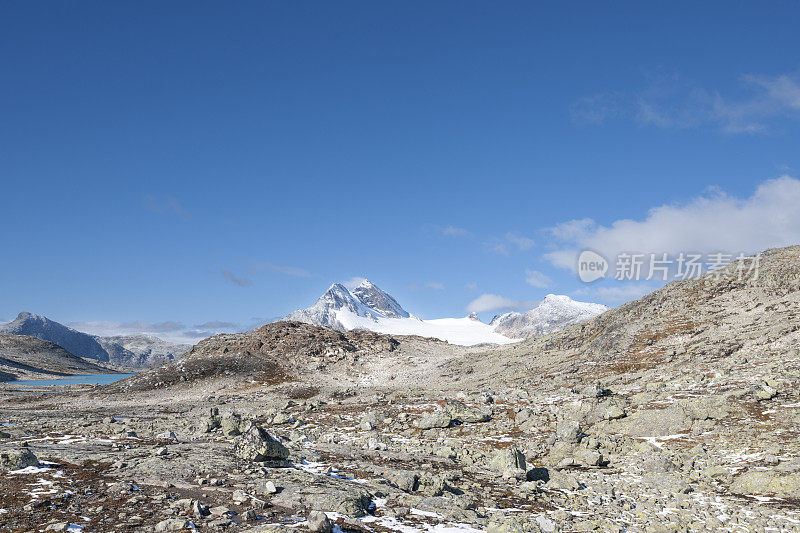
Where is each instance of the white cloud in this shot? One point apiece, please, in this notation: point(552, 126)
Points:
point(354, 282)
point(714, 222)
point(103, 327)
point(454, 231)
point(616, 294)
point(495, 302)
point(216, 325)
point(170, 330)
point(667, 101)
point(534, 278)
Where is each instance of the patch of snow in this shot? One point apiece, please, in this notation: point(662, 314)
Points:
point(30, 470)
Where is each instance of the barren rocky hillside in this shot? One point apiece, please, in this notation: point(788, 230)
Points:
point(24, 357)
point(677, 412)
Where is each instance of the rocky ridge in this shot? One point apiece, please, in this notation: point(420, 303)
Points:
point(24, 357)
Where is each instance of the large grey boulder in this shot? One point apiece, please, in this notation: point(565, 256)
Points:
point(767, 482)
point(318, 522)
point(345, 498)
point(257, 445)
point(436, 419)
point(172, 524)
point(14, 459)
point(508, 459)
point(461, 412)
point(569, 432)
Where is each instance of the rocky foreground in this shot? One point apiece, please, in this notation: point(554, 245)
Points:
point(678, 412)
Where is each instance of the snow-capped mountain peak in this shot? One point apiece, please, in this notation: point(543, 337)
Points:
point(555, 312)
point(374, 298)
point(338, 306)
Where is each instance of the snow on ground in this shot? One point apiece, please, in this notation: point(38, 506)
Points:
point(462, 331)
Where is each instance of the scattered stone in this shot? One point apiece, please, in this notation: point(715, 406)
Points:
point(318, 522)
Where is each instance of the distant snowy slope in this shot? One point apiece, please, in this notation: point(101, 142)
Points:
point(554, 313)
point(367, 307)
point(464, 331)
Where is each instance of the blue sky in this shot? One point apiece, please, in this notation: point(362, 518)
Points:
point(173, 167)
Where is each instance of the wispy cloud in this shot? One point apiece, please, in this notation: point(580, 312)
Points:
point(616, 294)
point(453, 231)
point(713, 222)
point(534, 278)
point(432, 285)
point(196, 334)
point(760, 104)
point(216, 325)
point(124, 328)
point(354, 282)
point(171, 330)
point(509, 242)
point(240, 281)
point(164, 205)
point(495, 302)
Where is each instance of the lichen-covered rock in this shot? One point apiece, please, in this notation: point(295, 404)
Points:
point(234, 424)
point(14, 459)
point(568, 431)
point(318, 522)
point(436, 419)
point(767, 482)
point(513, 524)
point(508, 459)
point(461, 412)
point(257, 445)
point(172, 524)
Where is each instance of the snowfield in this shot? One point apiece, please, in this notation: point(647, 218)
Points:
point(367, 307)
point(464, 331)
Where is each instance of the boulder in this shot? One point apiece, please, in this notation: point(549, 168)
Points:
point(436, 419)
point(508, 459)
point(460, 412)
point(513, 524)
point(568, 431)
point(14, 459)
point(767, 482)
point(172, 524)
point(318, 522)
point(257, 445)
point(404, 480)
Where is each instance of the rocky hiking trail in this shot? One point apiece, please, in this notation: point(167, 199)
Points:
point(675, 413)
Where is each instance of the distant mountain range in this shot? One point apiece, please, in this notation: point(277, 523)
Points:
point(132, 351)
point(367, 307)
